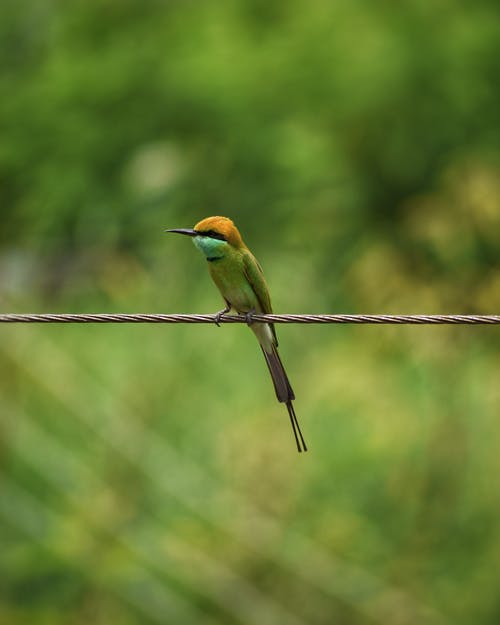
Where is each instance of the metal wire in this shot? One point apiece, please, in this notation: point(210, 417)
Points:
point(189, 318)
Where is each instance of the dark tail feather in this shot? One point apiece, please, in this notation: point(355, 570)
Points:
point(282, 386)
point(284, 392)
point(296, 427)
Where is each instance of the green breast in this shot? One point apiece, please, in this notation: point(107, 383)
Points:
point(229, 276)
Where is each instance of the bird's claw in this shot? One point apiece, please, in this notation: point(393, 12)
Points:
point(249, 317)
point(218, 316)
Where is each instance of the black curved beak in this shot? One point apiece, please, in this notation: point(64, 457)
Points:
point(186, 231)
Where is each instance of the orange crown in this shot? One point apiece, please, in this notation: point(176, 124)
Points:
point(221, 225)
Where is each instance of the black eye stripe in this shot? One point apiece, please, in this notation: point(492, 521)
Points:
point(212, 235)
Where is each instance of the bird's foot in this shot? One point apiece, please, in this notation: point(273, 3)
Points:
point(249, 317)
point(218, 316)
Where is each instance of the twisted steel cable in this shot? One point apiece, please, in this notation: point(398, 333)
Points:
point(192, 318)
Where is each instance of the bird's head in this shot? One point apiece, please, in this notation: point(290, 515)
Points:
point(212, 235)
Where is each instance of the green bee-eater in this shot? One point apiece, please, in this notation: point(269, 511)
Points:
point(240, 279)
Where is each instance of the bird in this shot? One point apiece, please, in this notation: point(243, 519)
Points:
point(241, 282)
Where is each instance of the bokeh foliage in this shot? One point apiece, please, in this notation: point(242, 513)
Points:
point(147, 474)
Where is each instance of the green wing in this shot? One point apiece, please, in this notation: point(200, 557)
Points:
point(255, 277)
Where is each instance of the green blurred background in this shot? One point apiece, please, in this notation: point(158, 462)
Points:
point(147, 474)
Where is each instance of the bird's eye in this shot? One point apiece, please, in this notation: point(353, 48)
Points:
point(214, 235)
